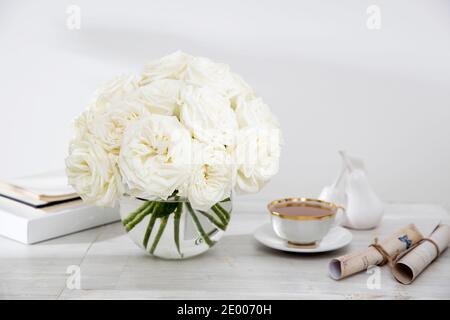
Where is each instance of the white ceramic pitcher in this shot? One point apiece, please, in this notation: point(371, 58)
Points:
point(351, 190)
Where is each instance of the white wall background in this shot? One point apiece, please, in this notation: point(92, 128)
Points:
point(332, 82)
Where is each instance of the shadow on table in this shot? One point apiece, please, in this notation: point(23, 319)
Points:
point(296, 255)
point(101, 233)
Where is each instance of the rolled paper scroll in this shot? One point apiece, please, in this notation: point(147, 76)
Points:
point(410, 264)
point(396, 243)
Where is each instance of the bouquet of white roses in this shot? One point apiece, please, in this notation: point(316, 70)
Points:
point(186, 127)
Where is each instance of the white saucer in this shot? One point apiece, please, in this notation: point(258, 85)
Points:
point(338, 237)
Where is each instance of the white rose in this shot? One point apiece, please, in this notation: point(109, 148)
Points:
point(204, 72)
point(239, 90)
point(254, 112)
point(172, 66)
point(154, 155)
point(211, 176)
point(208, 116)
point(82, 124)
point(161, 96)
point(257, 157)
point(92, 173)
point(109, 126)
point(110, 92)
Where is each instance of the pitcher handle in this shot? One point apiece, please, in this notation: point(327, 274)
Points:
point(340, 215)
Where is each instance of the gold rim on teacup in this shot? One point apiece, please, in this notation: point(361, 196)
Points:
point(303, 202)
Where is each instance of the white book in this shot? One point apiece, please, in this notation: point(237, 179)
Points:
point(16, 205)
point(40, 189)
point(30, 227)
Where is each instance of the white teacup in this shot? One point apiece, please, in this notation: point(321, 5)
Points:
point(302, 221)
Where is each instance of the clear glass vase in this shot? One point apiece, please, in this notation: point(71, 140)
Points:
point(172, 229)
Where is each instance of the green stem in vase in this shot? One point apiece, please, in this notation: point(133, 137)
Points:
point(150, 226)
point(200, 229)
point(176, 224)
point(223, 211)
point(220, 215)
point(140, 217)
point(162, 226)
point(133, 214)
point(167, 208)
point(213, 220)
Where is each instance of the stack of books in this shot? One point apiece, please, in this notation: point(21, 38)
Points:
point(41, 207)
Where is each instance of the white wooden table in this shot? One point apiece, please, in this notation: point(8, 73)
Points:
point(113, 267)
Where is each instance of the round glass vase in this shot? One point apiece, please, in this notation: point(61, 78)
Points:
point(172, 229)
